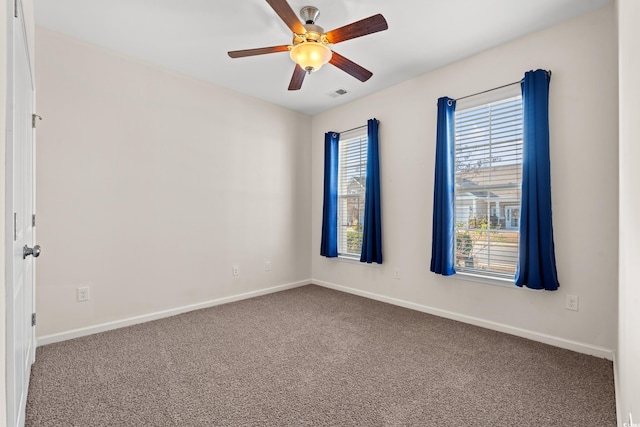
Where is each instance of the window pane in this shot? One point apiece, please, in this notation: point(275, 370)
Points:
point(352, 166)
point(488, 174)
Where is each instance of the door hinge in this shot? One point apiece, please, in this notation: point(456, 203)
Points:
point(33, 220)
point(33, 319)
point(15, 8)
point(33, 120)
point(15, 226)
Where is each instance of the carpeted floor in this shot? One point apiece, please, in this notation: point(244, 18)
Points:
point(314, 356)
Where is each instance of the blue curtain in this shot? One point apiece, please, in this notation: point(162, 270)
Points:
point(329, 242)
point(442, 243)
point(372, 234)
point(537, 259)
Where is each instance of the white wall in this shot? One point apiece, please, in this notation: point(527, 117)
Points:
point(583, 117)
point(629, 287)
point(151, 186)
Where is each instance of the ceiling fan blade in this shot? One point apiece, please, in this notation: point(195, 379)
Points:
point(284, 11)
point(258, 51)
point(369, 25)
point(350, 67)
point(297, 78)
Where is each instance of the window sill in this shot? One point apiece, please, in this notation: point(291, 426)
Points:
point(356, 260)
point(348, 258)
point(505, 283)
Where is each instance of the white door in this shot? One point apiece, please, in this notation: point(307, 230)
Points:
point(21, 265)
point(512, 216)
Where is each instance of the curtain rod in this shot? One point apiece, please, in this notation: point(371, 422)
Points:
point(356, 128)
point(349, 130)
point(490, 90)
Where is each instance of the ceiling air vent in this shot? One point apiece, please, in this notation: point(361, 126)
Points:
point(338, 93)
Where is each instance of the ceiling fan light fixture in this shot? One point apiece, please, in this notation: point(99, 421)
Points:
point(310, 56)
point(309, 48)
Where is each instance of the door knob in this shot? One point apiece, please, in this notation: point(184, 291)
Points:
point(35, 251)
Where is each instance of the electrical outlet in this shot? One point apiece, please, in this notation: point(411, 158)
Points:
point(82, 294)
point(267, 266)
point(396, 273)
point(571, 302)
point(236, 270)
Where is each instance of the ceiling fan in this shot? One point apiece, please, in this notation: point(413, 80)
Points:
point(310, 48)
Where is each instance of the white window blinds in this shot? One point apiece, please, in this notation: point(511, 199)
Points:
point(352, 172)
point(488, 170)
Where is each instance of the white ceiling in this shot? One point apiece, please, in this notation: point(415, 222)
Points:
point(193, 36)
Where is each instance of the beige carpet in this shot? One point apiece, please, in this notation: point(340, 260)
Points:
point(313, 356)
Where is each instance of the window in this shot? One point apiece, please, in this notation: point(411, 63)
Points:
point(352, 172)
point(488, 176)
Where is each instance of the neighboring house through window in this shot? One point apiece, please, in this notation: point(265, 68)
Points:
point(352, 171)
point(488, 177)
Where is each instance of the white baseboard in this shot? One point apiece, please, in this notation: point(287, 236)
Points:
point(103, 327)
point(524, 333)
point(579, 347)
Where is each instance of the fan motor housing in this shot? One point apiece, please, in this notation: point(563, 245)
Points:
point(314, 34)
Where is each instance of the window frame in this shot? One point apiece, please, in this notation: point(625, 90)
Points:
point(347, 171)
point(493, 276)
